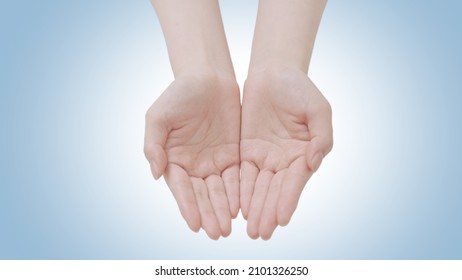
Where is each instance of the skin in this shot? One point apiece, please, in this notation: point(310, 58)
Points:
point(286, 127)
point(193, 128)
point(286, 132)
point(217, 159)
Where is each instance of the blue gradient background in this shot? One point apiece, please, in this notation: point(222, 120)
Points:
point(77, 76)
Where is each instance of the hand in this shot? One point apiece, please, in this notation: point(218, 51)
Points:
point(192, 138)
point(286, 132)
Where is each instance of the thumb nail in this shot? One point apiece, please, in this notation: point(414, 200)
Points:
point(154, 170)
point(316, 161)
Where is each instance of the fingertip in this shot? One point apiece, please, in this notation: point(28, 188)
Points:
point(226, 228)
point(283, 221)
point(267, 232)
point(214, 235)
point(267, 227)
point(155, 170)
point(249, 174)
point(284, 217)
point(157, 160)
point(252, 235)
point(234, 211)
point(244, 212)
point(266, 236)
point(252, 229)
point(230, 178)
point(193, 218)
point(194, 223)
point(315, 162)
point(194, 228)
point(225, 233)
point(234, 208)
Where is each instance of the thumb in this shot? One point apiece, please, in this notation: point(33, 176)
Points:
point(319, 123)
point(316, 152)
point(156, 133)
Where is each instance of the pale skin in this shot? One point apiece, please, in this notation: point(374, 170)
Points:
point(286, 126)
point(193, 128)
point(217, 159)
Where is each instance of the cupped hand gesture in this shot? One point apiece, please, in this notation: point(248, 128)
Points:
point(192, 138)
point(286, 131)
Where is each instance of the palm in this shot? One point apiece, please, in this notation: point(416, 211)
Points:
point(276, 143)
point(204, 137)
point(202, 120)
point(275, 136)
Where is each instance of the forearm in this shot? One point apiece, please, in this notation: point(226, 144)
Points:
point(285, 33)
point(195, 37)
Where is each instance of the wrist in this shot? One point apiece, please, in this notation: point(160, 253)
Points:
point(273, 77)
point(197, 65)
point(206, 73)
point(278, 61)
point(221, 83)
point(195, 37)
point(284, 33)
point(276, 71)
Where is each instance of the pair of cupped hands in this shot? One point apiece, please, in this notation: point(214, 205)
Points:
point(218, 157)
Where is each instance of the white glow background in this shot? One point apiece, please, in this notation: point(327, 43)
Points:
point(76, 78)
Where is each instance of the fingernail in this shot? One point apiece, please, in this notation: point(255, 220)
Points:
point(316, 162)
point(154, 170)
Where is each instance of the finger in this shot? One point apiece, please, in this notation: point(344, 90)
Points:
point(292, 186)
point(249, 173)
point(219, 201)
point(318, 148)
point(319, 120)
point(180, 185)
point(258, 200)
point(209, 221)
point(231, 180)
point(155, 136)
point(268, 220)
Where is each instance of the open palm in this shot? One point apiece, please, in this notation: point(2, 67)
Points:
point(285, 133)
point(192, 138)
